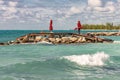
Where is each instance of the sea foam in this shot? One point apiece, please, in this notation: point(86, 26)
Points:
point(116, 42)
point(97, 59)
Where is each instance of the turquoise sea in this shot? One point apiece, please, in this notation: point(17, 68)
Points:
point(92, 61)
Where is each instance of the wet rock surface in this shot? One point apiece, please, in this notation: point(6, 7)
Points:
point(74, 38)
point(104, 33)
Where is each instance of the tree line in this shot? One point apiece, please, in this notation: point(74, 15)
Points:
point(108, 26)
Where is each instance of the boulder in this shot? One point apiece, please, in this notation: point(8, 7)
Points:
point(38, 38)
point(100, 40)
point(117, 34)
point(104, 33)
point(2, 44)
point(88, 41)
point(87, 38)
point(81, 39)
point(45, 39)
point(109, 34)
point(51, 40)
point(10, 42)
point(107, 40)
point(23, 39)
point(58, 40)
point(65, 39)
point(73, 39)
point(6, 43)
point(16, 42)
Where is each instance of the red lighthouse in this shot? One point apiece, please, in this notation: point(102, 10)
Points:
point(51, 26)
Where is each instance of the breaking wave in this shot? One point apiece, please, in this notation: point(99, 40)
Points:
point(97, 59)
point(116, 42)
point(42, 42)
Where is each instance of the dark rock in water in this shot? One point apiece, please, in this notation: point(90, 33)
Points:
point(107, 40)
point(16, 42)
point(1, 43)
point(6, 43)
point(104, 33)
point(100, 40)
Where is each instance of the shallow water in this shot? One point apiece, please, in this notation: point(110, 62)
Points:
point(93, 61)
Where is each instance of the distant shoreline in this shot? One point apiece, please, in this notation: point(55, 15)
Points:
point(57, 30)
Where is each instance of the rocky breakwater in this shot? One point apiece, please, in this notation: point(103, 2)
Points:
point(67, 40)
point(75, 38)
point(104, 33)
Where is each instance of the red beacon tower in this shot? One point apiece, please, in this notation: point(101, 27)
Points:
point(51, 26)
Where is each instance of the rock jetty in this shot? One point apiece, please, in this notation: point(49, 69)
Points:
point(57, 38)
point(104, 33)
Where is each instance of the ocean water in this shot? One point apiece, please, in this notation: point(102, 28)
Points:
point(93, 61)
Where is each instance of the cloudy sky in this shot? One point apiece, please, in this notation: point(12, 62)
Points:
point(35, 14)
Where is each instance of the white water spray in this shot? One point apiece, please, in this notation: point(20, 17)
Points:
point(116, 42)
point(97, 59)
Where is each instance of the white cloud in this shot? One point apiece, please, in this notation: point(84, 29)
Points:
point(1, 2)
point(12, 10)
point(22, 21)
point(36, 12)
point(107, 11)
point(9, 10)
point(37, 15)
point(94, 3)
point(97, 5)
point(110, 6)
point(13, 4)
point(73, 10)
point(101, 9)
point(8, 16)
point(118, 0)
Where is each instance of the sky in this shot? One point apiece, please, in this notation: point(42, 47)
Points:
point(36, 14)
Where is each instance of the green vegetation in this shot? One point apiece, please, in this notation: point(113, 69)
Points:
point(108, 26)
